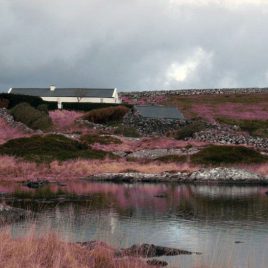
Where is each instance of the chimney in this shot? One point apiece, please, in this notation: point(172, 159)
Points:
point(52, 88)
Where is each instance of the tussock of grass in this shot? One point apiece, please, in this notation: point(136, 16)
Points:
point(216, 154)
point(48, 148)
point(254, 127)
point(106, 115)
point(91, 139)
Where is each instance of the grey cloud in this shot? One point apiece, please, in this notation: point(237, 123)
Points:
point(131, 44)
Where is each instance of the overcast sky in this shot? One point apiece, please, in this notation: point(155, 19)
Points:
point(134, 44)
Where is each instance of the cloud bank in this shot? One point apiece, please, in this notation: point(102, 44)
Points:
point(152, 44)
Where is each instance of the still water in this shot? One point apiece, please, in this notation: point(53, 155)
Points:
point(227, 224)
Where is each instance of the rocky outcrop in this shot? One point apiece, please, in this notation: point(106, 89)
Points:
point(156, 153)
point(12, 123)
point(151, 250)
point(226, 174)
point(218, 175)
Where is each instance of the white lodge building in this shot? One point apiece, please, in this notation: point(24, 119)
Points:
point(78, 95)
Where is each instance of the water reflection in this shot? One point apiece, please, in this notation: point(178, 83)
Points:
point(207, 219)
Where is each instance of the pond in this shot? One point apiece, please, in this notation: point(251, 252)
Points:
point(227, 224)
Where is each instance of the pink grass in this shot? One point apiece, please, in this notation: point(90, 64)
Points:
point(7, 132)
point(64, 120)
point(48, 251)
point(147, 143)
point(231, 110)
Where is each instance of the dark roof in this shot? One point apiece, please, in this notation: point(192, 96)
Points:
point(162, 112)
point(66, 92)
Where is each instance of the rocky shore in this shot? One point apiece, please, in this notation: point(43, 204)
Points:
point(218, 175)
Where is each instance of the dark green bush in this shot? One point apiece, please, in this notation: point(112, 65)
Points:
point(106, 115)
point(31, 117)
point(127, 131)
point(43, 108)
point(216, 154)
point(91, 139)
point(189, 130)
point(4, 103)
point(48, 148)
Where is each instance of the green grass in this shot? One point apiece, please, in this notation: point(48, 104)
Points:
point(91, 139)
point(49, 148)
point(254, 127)
point(216, 154)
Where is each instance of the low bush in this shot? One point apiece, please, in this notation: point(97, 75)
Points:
point(254, 127)
point(217, 154)
point(106, 115)
point(91, 139)
point(43, 108)
point(49, 148)
point(31, 117)
point(189, 130)
point(127, 131)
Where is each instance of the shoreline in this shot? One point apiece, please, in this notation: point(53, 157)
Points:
point(214, 176)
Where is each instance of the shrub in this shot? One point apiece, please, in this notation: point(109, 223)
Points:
point(48, 148)
point(189, 130)
point(106, 115)
point(91, 139)
point(31, 117)
point(43, 108)
point(216, 154)
point(127, 131)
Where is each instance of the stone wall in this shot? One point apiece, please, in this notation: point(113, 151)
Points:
point(185, 92)
point(152, 126)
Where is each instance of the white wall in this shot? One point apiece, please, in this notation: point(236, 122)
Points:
point(83, 100)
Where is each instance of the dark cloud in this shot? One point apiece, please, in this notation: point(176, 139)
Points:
point(136, 44)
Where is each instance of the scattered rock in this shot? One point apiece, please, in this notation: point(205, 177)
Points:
point(36, 184)
point(157, 262)
point(226, 174)
point(151, 250)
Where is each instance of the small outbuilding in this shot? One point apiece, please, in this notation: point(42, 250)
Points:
point(159, 112)
point(72, 95)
